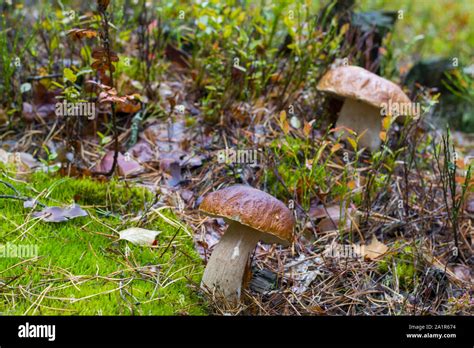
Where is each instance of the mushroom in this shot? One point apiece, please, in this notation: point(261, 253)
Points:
point(366, 95)
point(252, 215)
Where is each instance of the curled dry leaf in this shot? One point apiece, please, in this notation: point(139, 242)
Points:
point(129, 104)
point(59, 214)
point(129, 107)
point(139, 236)
point(78, 34)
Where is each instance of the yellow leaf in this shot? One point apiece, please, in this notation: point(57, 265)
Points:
point(69, 75)
point(383, 135)
point(286, 127)
point(386, 122)
point(352, 142)
point(335, 148)
point(227, 31)
point(344, 29)
point(241, 17)
point(307, 128)
point(352, 184)
point(282, 116)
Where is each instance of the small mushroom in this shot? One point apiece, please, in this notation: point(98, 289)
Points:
point(365, 95)
point(252, 215)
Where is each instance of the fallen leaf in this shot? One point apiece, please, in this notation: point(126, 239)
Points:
point(59, 214)
point(177, 55)
point(142, 151)
point(139, 236)
point(374, 250)
point(4, 156)
point(463, 272)
point(192, 161)
point(173, 169)
point(186, 195)
point(125, 164)
point(28, 112)
point(331, 216)
point(22, 160)
point(30, 203)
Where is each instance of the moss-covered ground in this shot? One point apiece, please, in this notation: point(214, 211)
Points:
point(82, 268)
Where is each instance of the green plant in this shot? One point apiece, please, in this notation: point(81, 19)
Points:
point(400, 266)
point(446, 158)
point(13, 46)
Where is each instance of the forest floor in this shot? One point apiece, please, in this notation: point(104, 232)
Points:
point(180, 102)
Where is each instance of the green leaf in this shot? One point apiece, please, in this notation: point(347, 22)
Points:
point(69, 75)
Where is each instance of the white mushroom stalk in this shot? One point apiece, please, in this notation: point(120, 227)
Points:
point(252, 215)
point(363, 119)
point(225, 270)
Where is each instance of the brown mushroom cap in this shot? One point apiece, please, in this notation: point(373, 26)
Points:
point(359, 84)
point(253, 208)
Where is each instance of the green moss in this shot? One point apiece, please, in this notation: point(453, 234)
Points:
point(82, 271)
point(402, 264)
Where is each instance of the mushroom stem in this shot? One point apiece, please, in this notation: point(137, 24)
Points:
point(360, 117)
point(225, 270)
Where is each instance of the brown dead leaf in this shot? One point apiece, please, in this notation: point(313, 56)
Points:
point(307, 129)
point(374, 249)
point(336, 147)
point(331, 216)
point(103, 4)
point(125, 164)
point(142, 151)
point(78, 34)
point(177, 56)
